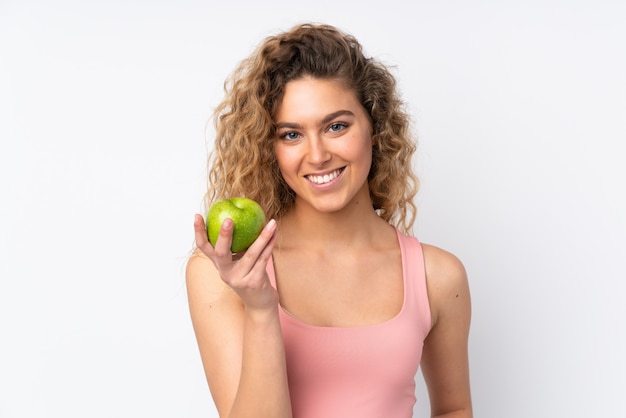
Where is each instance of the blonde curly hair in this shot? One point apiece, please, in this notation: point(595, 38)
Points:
point(243, 162)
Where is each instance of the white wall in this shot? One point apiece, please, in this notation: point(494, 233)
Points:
point(520, 108)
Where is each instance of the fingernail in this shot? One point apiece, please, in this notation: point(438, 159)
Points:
point(271, 225)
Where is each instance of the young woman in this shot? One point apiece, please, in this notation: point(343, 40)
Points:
point(335, 306)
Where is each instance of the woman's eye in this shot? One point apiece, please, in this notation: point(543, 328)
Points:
point(336, 127)
point(290, 136)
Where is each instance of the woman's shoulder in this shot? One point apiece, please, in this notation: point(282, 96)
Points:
point(204, 284)
point(446, 279)
point(199, 268)
point(442, 263)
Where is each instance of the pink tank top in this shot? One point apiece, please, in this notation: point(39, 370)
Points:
point(365, 372)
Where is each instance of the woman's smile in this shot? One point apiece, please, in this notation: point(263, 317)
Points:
point(324, 179)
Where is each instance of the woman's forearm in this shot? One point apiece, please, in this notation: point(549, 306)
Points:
point(263, 389)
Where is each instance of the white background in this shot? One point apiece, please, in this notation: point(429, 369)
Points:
point(520, 108)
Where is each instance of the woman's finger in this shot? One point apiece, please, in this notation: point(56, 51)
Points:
point(202, 240)
point(262, 240)
point(250, 257)
point(224, 240)
point(261, 262)
point(249, 269)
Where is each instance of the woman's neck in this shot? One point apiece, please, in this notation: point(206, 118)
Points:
point(305, 227)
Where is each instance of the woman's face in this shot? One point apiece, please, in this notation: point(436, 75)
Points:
point(323, 144)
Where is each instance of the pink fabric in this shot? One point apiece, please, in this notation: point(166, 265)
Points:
point(365, 372)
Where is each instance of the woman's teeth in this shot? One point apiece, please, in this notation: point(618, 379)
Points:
point(325, 178)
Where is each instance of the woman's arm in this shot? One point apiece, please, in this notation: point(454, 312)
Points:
point(445, 363)
point(234, 311)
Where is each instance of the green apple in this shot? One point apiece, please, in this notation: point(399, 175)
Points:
point(248, 221)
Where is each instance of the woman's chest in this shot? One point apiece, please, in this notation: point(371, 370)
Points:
point(341, 291)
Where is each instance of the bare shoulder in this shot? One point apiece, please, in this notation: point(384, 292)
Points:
point(444, 267)
point(196, 263)
point(203, 278)
point(447, 281)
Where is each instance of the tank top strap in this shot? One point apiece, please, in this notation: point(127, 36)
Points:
point(415, 286)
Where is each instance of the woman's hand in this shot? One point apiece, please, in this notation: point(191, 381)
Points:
point(245, 272)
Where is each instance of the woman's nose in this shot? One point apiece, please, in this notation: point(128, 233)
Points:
point(318, 153)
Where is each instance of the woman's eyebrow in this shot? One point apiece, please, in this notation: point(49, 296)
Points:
point(288, 125)
point(333, 115)
point(326, 119)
